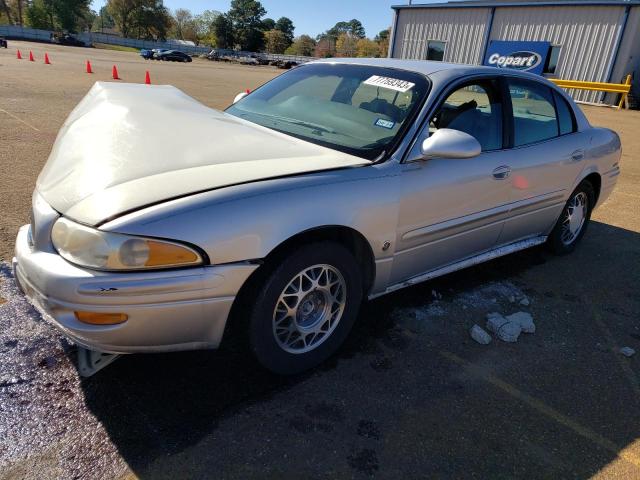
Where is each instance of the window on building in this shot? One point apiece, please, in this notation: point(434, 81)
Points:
point(552, 59)
point(534, 113)
point(566, 120)
point(435, 50)
point(475, 109)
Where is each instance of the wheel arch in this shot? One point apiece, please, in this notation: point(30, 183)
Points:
point(595, 180)
point(349, 237)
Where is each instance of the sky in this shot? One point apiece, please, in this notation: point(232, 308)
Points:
point(310, 17)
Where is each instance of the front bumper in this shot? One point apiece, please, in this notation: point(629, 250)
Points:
point(169, 310)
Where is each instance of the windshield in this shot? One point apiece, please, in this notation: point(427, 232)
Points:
point(360, 110)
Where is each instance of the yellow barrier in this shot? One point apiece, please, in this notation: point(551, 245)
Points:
point(623, 88)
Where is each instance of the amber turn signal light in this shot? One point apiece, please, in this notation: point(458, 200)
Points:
point(95, 318)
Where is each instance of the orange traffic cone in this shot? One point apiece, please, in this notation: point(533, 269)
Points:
point(31, 56)
point(147, 78)
point(114, 73)
point(46, 59)
point(248, 91)
point(18, 55)
point(89, 67)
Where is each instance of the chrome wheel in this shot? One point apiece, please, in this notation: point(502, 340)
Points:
point(574, 218)
point(309, 308)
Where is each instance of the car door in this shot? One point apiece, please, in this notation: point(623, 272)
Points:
point(452, 209)
point(547, 156)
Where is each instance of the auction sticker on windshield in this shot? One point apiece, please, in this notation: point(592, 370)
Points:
point(390, 83)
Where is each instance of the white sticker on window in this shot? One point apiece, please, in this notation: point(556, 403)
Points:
point(381, 122)
point(390, 83)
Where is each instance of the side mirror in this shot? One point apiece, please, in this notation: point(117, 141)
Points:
point(449, 143)
point(240, 96)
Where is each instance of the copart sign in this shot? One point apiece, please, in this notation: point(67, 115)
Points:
point(525, 56)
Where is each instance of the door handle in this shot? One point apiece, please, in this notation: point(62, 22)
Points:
point(577, 155)
point(502, 172)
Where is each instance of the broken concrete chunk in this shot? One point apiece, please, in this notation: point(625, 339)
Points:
point(495, 321)
point(627, 351)
point(509, 332)
point(525, 302)
point(524, 319)
point(480, 335)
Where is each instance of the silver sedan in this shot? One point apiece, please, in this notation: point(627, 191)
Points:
point(158, 222)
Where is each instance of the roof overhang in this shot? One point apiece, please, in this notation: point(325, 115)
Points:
point(542, 3)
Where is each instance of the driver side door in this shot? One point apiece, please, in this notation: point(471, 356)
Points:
point(452, 209)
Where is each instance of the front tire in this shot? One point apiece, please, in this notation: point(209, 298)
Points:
point(305, 308)
point(573, 221)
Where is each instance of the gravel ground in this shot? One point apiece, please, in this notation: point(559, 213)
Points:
point(410, 395)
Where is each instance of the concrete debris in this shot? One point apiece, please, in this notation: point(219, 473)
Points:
point(436, 295)
point(627, 351)
point(512, 299)
point(506, 330)
point(480, 335)
point(525, 302)
point(509, 332)
point(524, 319)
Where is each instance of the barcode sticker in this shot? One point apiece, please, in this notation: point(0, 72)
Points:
point(390, 83)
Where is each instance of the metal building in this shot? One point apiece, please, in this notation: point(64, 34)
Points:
point(589, 40)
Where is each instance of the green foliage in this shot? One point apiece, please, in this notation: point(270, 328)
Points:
point(285, 25)
point(268, 24)
point(352, 27)
point(275, 41)
point(146, 19)
point(223, 31)
point(103, 21)
point(246, 18)
point(303, 45)
point(67, 15)
point(40, 15)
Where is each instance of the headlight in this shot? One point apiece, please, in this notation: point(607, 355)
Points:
point(93, 248)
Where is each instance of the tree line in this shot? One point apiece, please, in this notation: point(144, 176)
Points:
point(244, 26)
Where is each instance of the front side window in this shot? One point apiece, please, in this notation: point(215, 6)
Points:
point(356, 109)
point(435, 50)
point(475, 109)
point(534, 113)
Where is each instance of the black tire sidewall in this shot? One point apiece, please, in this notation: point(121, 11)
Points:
point(261, 338)
point(555, 241)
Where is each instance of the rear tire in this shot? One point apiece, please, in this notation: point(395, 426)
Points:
point(573, 221)
point(305, 308)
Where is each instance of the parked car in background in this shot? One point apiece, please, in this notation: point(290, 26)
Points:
point(3, 42)
point(66, 39)
point(172, 56)
point(340, 180)
point(146, 53)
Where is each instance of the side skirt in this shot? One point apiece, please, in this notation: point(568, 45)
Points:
point(467, 262)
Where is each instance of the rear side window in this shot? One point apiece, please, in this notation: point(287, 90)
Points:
point(566, 121)
point(534, 113)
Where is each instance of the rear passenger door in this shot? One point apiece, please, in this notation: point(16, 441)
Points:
point(547, 155)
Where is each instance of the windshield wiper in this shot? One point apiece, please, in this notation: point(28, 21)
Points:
point(301, 123)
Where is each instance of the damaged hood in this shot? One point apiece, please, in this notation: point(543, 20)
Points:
point(126, 146)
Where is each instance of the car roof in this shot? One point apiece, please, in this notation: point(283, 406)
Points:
point(427, 67)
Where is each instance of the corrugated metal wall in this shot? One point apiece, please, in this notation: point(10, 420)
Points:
point(463, 29)
point(587, 35)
